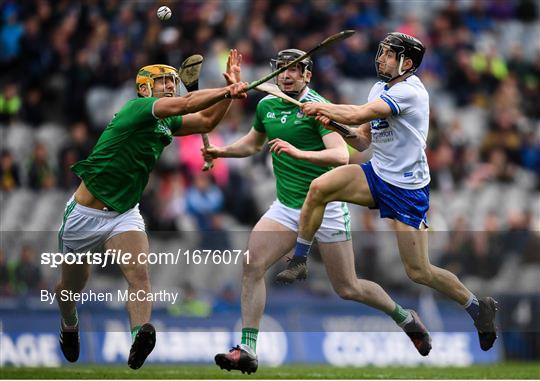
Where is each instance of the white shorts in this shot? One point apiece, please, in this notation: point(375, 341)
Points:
point(87, 229)
point(335, 227)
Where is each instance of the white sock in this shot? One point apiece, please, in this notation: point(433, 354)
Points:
point(468, 302)
point(304, 241)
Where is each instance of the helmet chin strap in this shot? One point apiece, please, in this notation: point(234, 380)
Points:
point(400, 67)
point(150, 89)
point(400, 70)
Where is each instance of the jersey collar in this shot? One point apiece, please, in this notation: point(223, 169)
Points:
point(306, 91)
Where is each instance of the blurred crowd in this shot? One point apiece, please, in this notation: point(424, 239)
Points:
point(68, 66)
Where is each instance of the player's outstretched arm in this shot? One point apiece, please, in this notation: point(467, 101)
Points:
point(248, 145)
point(349, 114)
point(197, 100)
point(335, 153)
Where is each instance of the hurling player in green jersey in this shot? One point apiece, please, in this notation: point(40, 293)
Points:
point(104, 212)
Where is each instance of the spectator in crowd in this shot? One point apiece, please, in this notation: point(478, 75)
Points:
point(10, 35)
point(76, 149)
point(27, 273)
point(10, 103)
point(190, 304)
point(488, 249)
point(40, 173)
point(9, 172)
point(6, 287)
point(503, 135)
point(204, 201)
point(32, 111)
point(477, 19)
point(357, 61)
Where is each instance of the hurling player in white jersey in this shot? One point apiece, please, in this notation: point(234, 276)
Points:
point(395, 123)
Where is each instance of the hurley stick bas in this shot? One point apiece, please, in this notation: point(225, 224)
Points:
point(273, 89)
point(189, 75)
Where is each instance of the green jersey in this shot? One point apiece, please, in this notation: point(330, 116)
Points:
point(117, 170)
point(280, 119)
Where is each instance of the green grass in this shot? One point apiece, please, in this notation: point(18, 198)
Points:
point(498, 371)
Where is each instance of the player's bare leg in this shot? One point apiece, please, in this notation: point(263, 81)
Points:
point(136, 274)
point(338, 260)
point(348, 183)
point(268, 242)
point(413, 249)
point(73, 278)
point(345, 183)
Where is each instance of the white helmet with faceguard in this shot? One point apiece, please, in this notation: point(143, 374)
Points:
point(283, 58)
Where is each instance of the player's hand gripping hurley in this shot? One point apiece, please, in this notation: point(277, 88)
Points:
point(189, 75)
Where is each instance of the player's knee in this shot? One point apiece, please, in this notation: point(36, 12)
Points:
point(254, 266)
point(317, 191)
point(420, 275)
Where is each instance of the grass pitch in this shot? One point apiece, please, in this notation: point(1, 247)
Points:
point(498, 371)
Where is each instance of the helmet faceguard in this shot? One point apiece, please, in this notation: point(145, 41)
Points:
point(148, 75)
point(306, 65)
point(404, 46)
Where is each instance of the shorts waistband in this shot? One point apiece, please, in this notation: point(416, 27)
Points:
point(91, 211)
point(331, 205)
point(95, 212)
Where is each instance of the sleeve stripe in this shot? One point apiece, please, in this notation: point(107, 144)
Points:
point(393, 105)
point(393, 100)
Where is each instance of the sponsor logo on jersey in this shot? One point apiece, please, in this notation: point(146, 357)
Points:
point(270, 115)
point(379, 124)
point(300, 115)
point(385, 136)
point(162, 128)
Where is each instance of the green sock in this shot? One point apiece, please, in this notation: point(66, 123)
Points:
point(134, 331)
point(400, 316)
point(249, 337)
point(72, 320)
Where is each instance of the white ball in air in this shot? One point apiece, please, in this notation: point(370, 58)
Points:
point(164, 13)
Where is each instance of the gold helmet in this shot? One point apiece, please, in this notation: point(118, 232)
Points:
point(147, 74)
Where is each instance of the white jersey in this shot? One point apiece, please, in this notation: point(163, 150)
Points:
point(399, 141)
